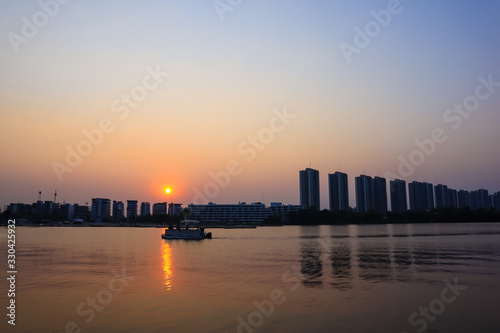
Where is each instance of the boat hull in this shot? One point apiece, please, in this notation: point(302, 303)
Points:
point(196, 234)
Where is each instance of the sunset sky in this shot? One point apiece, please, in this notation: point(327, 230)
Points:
point(231, 72)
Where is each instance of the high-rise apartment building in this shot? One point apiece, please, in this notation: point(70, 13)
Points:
point(398, 196)
point(364, 194)
point(338, 191)
point(452, 198)
point(118, 211)
point(101, 210)
point(131, 210)
point(421, 196)
point(463, 199)
point(441, 195)
point(309, 188)
point(145, 208)
point(380, 195)
point(160, 208)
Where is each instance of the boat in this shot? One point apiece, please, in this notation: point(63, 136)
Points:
point(187, 229)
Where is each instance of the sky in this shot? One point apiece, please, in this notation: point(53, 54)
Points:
point(225, 101)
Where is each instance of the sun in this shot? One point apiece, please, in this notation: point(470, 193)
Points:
point(167, 190)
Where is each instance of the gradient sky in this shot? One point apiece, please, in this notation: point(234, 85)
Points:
point(225, 79)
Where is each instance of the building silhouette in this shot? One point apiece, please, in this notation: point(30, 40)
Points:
point(421, 196)
point(101, 210)
point(398, 196)
point(441, 195)
point(131, 210)
point(174, 209)
point(479, 199)
point(242, 212)
point(338, 191)
point(309, 188)
point(496, 200)
point(452, 198)
point(364, 194)
point(118, 211)
point(81, 212)
point(463, 199)
point(160, 208)
point(380, 195)
point(145, 208)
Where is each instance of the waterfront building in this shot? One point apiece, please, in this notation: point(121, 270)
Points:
point(20, 210)
point(101, 210)
point(338, 191)
point(364, 194)
point(160, 208)
point(479, 199)
point(421, 196)
point(441, 195)
point(145, 208)
point(497, 201)
point(131, 210)
point(380, 195)
point(463, 199)
point(429, 196)
point(43, 209)
point(398, 196)
point(238, 213)
point(484, 199)
point(452, 198)
point(309, 188)
point(280, 210)
point(416, 193)
point(175, 209)
point(81, 212)
point(67, 211)
point(118, 211)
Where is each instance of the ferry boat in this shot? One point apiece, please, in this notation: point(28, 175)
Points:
point(187, 229)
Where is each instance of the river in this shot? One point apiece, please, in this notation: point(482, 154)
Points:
point(355, 278)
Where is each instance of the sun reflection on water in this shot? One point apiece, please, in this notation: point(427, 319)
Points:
point(167, 265)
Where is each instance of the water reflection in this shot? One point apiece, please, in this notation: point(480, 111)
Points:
point(167, 265)
point(402, 258)
point(374, 261)
point(384, 253)
point(340, 255)
point(310, 252)
point(402, 263)
point(425, 258)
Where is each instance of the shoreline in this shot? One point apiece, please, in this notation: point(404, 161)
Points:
point(224, 226)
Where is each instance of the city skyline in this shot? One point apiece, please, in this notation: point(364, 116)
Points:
point(371, 193)
point(180, 95)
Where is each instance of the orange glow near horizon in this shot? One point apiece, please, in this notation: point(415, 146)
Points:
point(163, 191)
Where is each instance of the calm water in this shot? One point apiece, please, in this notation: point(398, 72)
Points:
point(284, 279)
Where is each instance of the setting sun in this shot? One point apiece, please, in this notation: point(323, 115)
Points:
point(167, 190)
